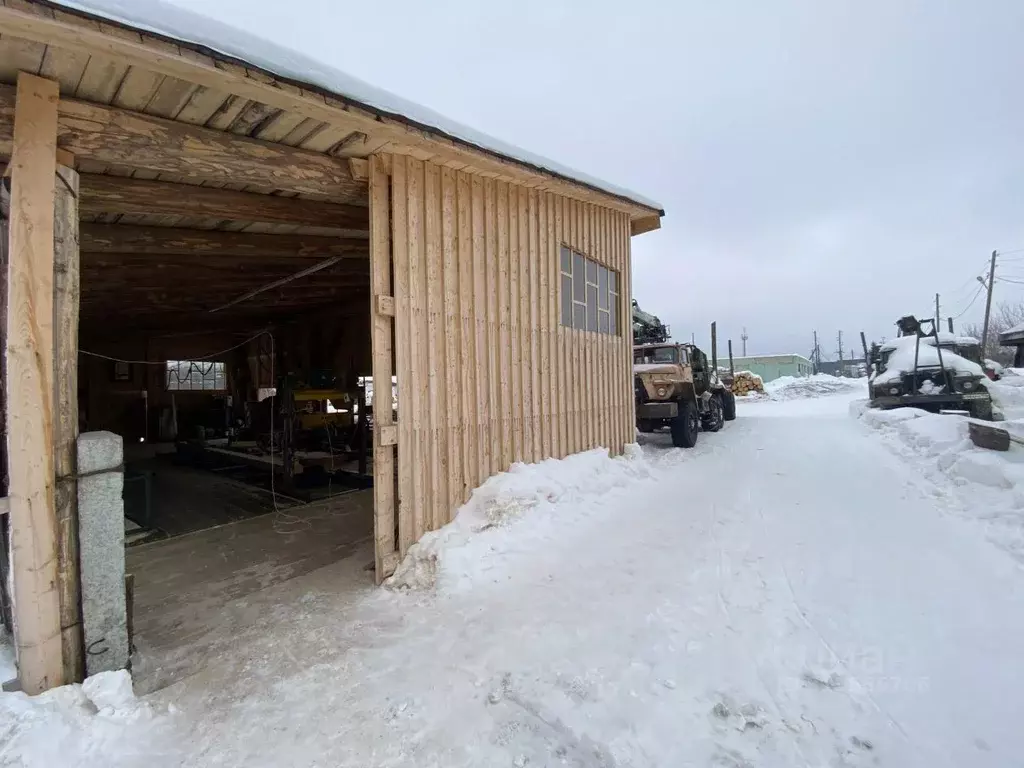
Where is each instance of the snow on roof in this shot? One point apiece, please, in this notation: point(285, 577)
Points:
point(902, 360)
point(944, 338)
point(188, 27)
point(1013, 331)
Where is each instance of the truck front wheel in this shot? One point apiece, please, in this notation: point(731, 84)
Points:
point(685, 426)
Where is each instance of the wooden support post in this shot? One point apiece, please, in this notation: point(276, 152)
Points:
point(29, 348)
point(382, 328)
point(6, 598)
point(65, 421)
point(732, 367)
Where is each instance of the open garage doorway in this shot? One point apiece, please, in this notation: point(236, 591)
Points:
point(231, 352)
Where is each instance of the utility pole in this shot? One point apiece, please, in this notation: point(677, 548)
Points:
point(840, 353)
point(950, 320)
point(988, 305)
point(743, 338)
point(938, 316)
point(816, 354)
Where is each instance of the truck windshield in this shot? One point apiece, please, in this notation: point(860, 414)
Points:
point(655, 355)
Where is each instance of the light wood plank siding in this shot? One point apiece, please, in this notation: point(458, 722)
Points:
point(486, 373)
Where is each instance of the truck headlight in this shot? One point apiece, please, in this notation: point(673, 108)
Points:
point(662, 392)
point(894, 390)
point(967, 386)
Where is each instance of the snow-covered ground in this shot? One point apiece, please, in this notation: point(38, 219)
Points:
point(807, 587)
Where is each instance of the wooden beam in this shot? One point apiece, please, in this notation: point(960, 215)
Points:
point(65, 422)
point(167, 241)
point(382, 332)
point(278, 283)
point(114, 194)
point(131, 139)
point(30, 386)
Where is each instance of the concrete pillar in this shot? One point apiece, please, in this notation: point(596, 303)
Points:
point(101, 542)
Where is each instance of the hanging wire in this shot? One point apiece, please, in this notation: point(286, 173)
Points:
point(974, 298)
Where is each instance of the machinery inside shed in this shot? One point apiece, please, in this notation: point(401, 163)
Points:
point(231, 352)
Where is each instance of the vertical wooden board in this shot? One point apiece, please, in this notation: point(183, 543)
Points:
point(554, 286)
point(466, 358)
point(435, 372)
point(494, 336)
point(627, 292)
point(611, 349)
point(557, 228)
point(590, 388)
point(579, 427)
point(483, 449)
point(66, 289)
point(407, 447)
point(563, 336)
point(524, 299)
point(613, 368)
point(29, 386)
point(454, 355)
point(515, 362)
point(419, 337)
point(540, 203)
point(504, 319)
point(381, 346)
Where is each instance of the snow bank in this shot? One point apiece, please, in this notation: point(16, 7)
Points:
point(989, 484)
point(818, 385)
point(1008, 396)
point(99, 721)
point(575, 485)
point(906, 349)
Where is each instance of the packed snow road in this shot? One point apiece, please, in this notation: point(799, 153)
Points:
point(789, 593)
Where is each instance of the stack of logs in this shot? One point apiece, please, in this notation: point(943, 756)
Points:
point(745, 382)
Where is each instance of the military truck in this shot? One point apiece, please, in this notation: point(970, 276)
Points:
point(677, 387)
point(929, 369)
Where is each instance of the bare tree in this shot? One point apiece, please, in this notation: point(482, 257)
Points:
point(1004, 316)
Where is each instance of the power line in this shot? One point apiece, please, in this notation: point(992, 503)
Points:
point(971, 304)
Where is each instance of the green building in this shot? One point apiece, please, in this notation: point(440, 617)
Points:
point(770, 367)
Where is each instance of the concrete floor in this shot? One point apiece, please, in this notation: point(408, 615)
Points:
point(195, 593)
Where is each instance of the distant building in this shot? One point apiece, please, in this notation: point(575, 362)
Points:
point(1014, 338)
point(770, 367)
point(852, 368)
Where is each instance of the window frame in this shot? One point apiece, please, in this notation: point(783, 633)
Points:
point(580, 315)
point(217, 371)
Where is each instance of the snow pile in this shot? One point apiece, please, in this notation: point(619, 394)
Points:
point(988, 484)
point(818, 385)
point(906, 349)
point(1008, 396)
point(575, 486)
point(80, 724)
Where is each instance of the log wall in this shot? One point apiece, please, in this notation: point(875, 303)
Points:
point(487, 376)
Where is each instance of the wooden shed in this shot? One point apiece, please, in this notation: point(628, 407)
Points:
point(174, 185)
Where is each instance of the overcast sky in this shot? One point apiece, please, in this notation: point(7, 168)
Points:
point(823, 165)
